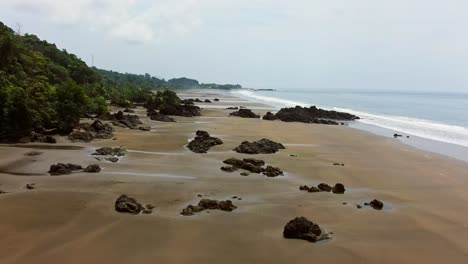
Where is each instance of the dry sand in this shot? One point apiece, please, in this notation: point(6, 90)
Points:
point(71, 219)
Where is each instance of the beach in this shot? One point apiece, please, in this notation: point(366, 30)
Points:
point(71, 218)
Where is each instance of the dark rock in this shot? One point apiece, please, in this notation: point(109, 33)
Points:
point(264, 146)
point(302, 228)
point(180, 110)
point(80, 135)
point(129, 121)
point(234, 162)
point(108, 151)
point(226, 206)
point(338, 164)
point(203, 142)
point(205, 204)
point(397, 135)
point(312, 115)
point(252, 168)
point(199, 195)
point(229, 168)
point(191, 210)
point(244, 173)
point(338, 188)
point(147, 211)
point(38, 137)
point(314, 189)
point(216, 100)
point(232, 108)
point(269, 116)
point(156, 116)
point(324, 187)
point(127, 110)
point(358, 206)
point(207, 101)
point(304, 188)
point(145, 128)
point(125, 204)
point(62, 169)
point(270, 171)
point(244, 113)
point(293, 156)
point(33, 153)
point(256, 162)
point(101, 130)
point(30, 186)
point(94, 168)
point(112, 159)
point(376, 204)
point(237, 163)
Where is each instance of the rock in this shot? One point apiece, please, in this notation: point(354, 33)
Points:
point(199, 195)
point(344, 203)
point(314, 189)
point(38, 137)
point(303, 188)
point(112, 159)
point(358, 206)
point(30, 186)
point(324, 187)
point(102, 130)
point(216, 100)
point(127, 110)
point(237, 163)
point(256, 162)
point(125, 204)
point(302, 228)
point(338, 188)
point(338, 164)
point(263, 146)
point(229, 168)
point(232, 108)
point(205, 204)
point(94, 168)
point(376, 204)
point(244, 173)
point(312, 115)
point(207, 101)
point(108, 151)
point(145, 128)
point(147, 211)
point(234, 162)
point(81, 135)
point(180, 110)
point(226, 206)
point(33, 153)
point(244, 113)
point(252, 168)
point(293, 156)
point(269, 116)
point(129, 121)
point(270, 171)
point(62, 169)
point(156, 116)
point(203, 142)
point(397, 135)
point(191, 210)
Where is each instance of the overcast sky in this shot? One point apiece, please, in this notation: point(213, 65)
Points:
point(299, 44)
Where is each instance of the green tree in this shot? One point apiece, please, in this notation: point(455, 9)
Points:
point(71, 103)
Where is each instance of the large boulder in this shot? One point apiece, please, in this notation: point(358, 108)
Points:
point(63, 169)
point(270, 171)
point(245, 113)
point(186, 110)
point(269, 116)
point(312, 115)
point(263, 146)
point(376, 204)
point(302, 228)
point(129, 121)
point(102, 130)
point(94, 168)
point(338, 188)
point(126, 204)
point(203, 142)
point(80, 135)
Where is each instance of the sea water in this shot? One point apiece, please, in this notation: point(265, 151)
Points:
point(437, 122)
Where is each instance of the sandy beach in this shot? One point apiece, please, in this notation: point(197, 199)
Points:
point(71, 218)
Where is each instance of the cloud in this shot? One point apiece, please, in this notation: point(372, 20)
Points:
point(136, 21)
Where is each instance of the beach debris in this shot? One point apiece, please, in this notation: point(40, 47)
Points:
point(229, 168)
point(93, 168)
point(338, 188)
point(30, 186)
point(312, 115)
point(203, 142)
point(62, 169)
point(269, 116)
point(156, 116)
point(126, 204)
point(302, 228)
point(244, 113)
point(270, 171)
point(324, 187)
point(263, 146)
point(376, 204)
point(205, 204)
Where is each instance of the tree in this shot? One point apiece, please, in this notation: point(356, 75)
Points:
point(70, 105)
point(18, 118)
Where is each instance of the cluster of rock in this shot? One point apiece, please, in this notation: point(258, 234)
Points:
point(323, 187)
point(109, 154)
point(302, 228)
point(206, 204)
point(186, 110)
point(309, 115)
point(244, 113)
point(86, 132)
point(207, 101)
point(251, 165)
point(263, 146)
point(40, 135)
point(126, 204)
point(126, 121)
point(203, 142)
point(376, 204)
point(232, 108)
point(191, 101)
point(156, 116)
point(68, 168)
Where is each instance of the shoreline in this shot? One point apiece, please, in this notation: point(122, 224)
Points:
point(71, 218)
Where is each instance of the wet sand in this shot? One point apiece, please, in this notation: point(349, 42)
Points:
point(71, 218)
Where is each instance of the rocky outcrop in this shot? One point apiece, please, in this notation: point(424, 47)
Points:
point(108, 151)
point(232, 108)
point(63, 169)
point(128, 121)
point(312, 115)
point(156, 116)
point(203, 142)
point(205, 204)
point(270, 171)
point(94, 168)
point(207, 101)
point(338, 188)
point(302, 228)
point(229, 168)
point(251, 165)
point(40, 138)
point(324, 187)
point(186, 110)
point(216, 100)
point(263, 146)
point(269, 116)
point(256, 162)
point(80, 135)
point(244, 113)
point(101, 130)
point(126, 204)
point(376, 204)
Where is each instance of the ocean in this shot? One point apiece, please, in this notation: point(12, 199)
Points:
point(436, 122)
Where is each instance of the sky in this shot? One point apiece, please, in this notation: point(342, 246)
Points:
point(417, 45)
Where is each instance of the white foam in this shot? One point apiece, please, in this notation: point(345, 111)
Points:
point(275, 102)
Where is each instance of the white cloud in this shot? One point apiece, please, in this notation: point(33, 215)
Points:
point(139, 21)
